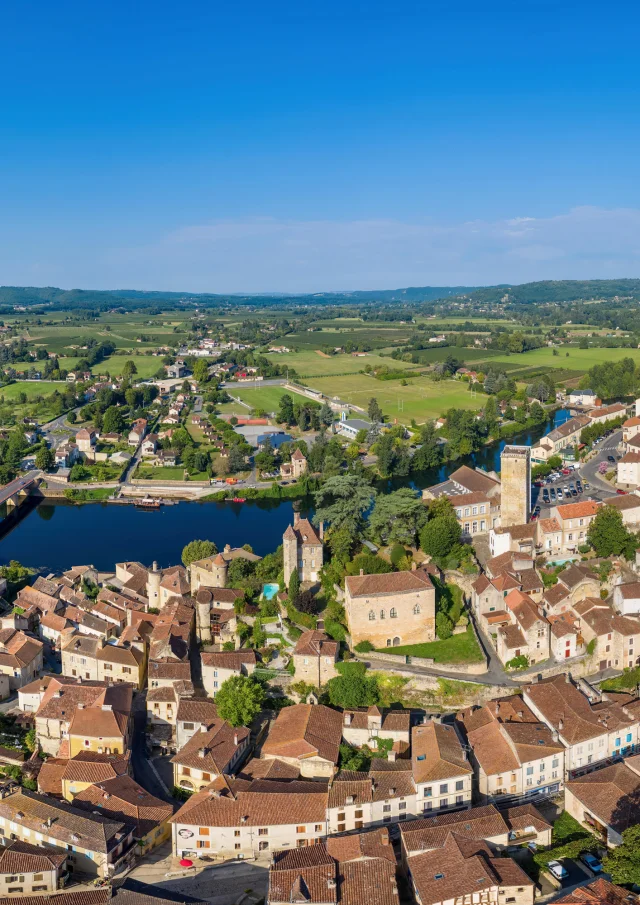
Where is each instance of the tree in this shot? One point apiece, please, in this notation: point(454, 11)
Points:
point(352, 688)
point(294, 585)
point(342, 502)
point(398, 517)
point(440, 535)
point(72, 417)
point(393, 456)
point(429, 453)
point(326, 415)
point(608, 535)
point(306, 602)
point(201, 370)
point(285, 413)
point(239, 700)
point(129, 369)
point(197, 549)
point(370, 563)
point(623, 862)
point(444, 626)
point(113, 420)
point(45, 459)
point(31, 740)
point(236, 459)
point(374, 411)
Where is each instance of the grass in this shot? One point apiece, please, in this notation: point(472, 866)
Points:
point(577, 360)
point(147, 365)
point(31, 389)
point(628, 681)
point(160, 473)
point(462, 648)
point(421, 399)
point(309, 364)
point(266, 398)
point(83, 496)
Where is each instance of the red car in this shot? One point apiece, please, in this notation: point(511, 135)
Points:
point(566, 471)
point(621, 492)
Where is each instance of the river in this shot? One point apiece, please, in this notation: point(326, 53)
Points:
point(55, 536)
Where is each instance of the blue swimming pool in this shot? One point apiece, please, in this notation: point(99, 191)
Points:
point(270, 590)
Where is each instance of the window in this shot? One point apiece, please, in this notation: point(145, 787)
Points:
point(459, 785)
point(38, 876)
point(301, 829)
point(372, 616)
point(392, 613)
point(382, 614)
point(186, 771)
point(555, 762)
point(236, 833)
point(358, 813)
point(263, 846)
point(203, 843)
point(529, 771)
point(237, 846)
point(459, 799)
point(203, 831)
point(427, 792)
point(416, 610)
point(444, 788)
point(428, 805)
point(317, 828)
point(263, 831)
point(386, 808)
point(341, 816)
point(402, 806)
point(444, 802)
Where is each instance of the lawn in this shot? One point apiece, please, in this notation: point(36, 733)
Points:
point(310, 364)
point(147, 365)
point(266, 398)
point(576, 360)
point(160, 473)
point(628, 681)
point(233, 408)
point(422, 399)
point(31, 388)
point(462, 648)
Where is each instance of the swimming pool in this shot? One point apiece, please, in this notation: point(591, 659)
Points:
point(269, 591)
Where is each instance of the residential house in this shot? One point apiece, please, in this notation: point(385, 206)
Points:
point(94, 846)
point(574, 520)
point(366, 725)
point(628, 468)
point(514, 539)
point(513, 753)
point(314, 658)
point(626, 597)
point(307, 736)
point(21, 657)
point(218, 667)
point(149, 445)
point(240, 819)
point(79, 657)
point(592, 730)
point(138, 432)
point(296, 467)
point(214, 750)
point(123, 660)
point(630, 429)
point(476, 512)
point(341, 870)
point(597, 892)
point(606, 801)
point(604, 413)
point(86, 441)
point(392, 609)
point(526, 633)
point(549, 538)
point(302, 550)
point(162, 710)
point(27, 869)
point(193, 715)
point(442, 773)
point(560, 441)
point(628, 505)
point(122, 799)
point(85, 768)
point(615, 639)
point(583, 397)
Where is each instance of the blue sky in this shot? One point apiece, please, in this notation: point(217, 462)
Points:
point(295, 146)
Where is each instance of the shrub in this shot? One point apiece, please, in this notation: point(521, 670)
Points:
point(444, 626)
point(306, 602)
point(396, 553)
point(519, 662)
point(363, 647)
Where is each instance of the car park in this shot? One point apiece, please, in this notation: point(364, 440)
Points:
point(560, 494)
point(558, 870)
point(587, 485)
point(553, 493)
point(591, 862)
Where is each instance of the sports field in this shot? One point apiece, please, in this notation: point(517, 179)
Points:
point(422, 399)
point(311, 364)
point(265, 398)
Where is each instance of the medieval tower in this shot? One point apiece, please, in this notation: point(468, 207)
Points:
point(515, 479)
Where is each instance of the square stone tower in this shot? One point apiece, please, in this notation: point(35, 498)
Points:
point(515, 491)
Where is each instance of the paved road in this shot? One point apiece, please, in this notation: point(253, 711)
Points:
point(142, 772)
point(607, 447)
point(58, 431)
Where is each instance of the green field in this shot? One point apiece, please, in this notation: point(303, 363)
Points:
point(462, 648)
point(31, 388)
point(576, 360)
point(310, 364)
point(266, 398)
point(160, 472)
point(422, 399)
point(147, 365)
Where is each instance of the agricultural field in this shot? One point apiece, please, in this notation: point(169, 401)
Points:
point(571, 358)
point(30, 388)
point(10, 412)
point(147, 365)
point(311, 363)
point(422, 399)
point(377, 338)
point(266, 398)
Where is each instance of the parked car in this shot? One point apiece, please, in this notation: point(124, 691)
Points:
point(587, 485)
point(566, 471)
point(621, 492)
point(611, 458)
point(553, 493)
point(591, 862)
point(560, 495)
point(558, 870)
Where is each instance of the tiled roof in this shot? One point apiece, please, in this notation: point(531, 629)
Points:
point(91, 766)
point(473, 480)
point(316, 644)
point(600, 892)
point(195, 710)
point(84, 897)
point(229, 659)
point(305, 730)
point(392, 720)
point(349, 785)
point(50, 776)
point(268, 769)
point(437, 753)
point(96, 722)
point(389, 583)
point(476, 823)
point(123, 799)
point(167, 670)
point(213, 748)
point(23, 858)
point(611, 794)
point(513, 637)
point(583, 509)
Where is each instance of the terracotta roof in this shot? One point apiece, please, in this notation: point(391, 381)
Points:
point(600, 892)
point(84, 897)
point(391, 720)
point(467, 499)
point(473, 479)
point(549, 525)
point(370, 843)
point(389, 583)
point(525, 815)
point(476, 823)
point(197, 710)
point(437, 753)
point(121, 798)
point(349, 785)
point(91, 766)
point(316, 644)
point(629, 591)
point(583, 509)
point(269, 769)
point(165, 670)
point(231, 659)
point(513, 637)
point(562, 625)
point(50, 776)
point(96, 722)
point(624, 502)
point(211, 749)
point(305, 533)
point(23, 858)
point(18, 649)
point(305, 730)
point(611, 794)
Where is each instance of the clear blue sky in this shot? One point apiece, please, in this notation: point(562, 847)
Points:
point(298, 146)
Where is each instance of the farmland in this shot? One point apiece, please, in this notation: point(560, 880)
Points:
point(146, 365)
point(421, 399)
point(311, 364)
point(572, 358)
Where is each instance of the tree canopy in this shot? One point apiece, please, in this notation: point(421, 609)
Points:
point(353, 688)
point(342, 502)
point(239, 700)
point(197, 549)
point(397, 517)
point(608, 535)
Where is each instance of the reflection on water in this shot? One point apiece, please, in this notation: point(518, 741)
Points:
point(60, 535)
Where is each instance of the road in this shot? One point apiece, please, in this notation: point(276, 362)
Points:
point(57, 432)
point(142, 772)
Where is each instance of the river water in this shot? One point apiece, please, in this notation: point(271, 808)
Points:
point(55, 536)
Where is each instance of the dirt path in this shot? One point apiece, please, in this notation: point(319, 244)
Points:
point(321, 354)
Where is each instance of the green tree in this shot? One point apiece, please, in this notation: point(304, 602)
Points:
point(45, 458)
point(429, 453)
point(236, 459)
point(326, 415)
point(374, 411)
point(72, 417)
point(440, 535)
point(129, 369)
point(623, 862)
point(294, 585)
point(342, 502)
point(398, 517)
point(352, 688)
point(113, 420)
point(31, 740)
point(201, 370)
point(608, 535)
point(197, 549)
point(444, 626)
point(285, 414)
point(239, 700)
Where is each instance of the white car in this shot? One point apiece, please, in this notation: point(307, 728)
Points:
point(558, 871)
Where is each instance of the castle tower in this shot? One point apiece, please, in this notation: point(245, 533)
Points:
point(153, 585)
point(203, 616)
point(209, 573)
point(290, 550)
point(515, 491)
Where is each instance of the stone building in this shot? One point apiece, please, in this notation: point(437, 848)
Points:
point(302, 550)
point(296, 467)
point(314, 658)
point(515, 476)
point(392, 609)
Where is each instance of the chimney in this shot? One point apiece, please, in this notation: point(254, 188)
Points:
point(567, 677)
point(554, 735)
point(361, 571)
point(384, 839)
point(391, 756)
point(348, 717)
point(154, 567)
point(560, 724)
point(81, 705)
point(414, 566)
point(202, 752)
point(107, 707)
point(235, 739)
point(321, 530)
point(296, 518)
point(203, 728)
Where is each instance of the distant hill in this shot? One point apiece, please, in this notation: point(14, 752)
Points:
point(557, 291)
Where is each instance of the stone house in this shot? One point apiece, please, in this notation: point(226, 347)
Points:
point(194, 715)
point(308, 737)
point(218, 667)
point(527, 631)
point(314, 658)
point(149, 445)
point(391, 609)
point(574, 520)
point(605, 802)
point(442, 774)
point(364, 726)
point(162, 710)
point(21, 657)
point(626, 597)
point(302, 550)
point(27, 869)
point(296, 467)
point(86, 440)
point(210, 752)
point(79, 657)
